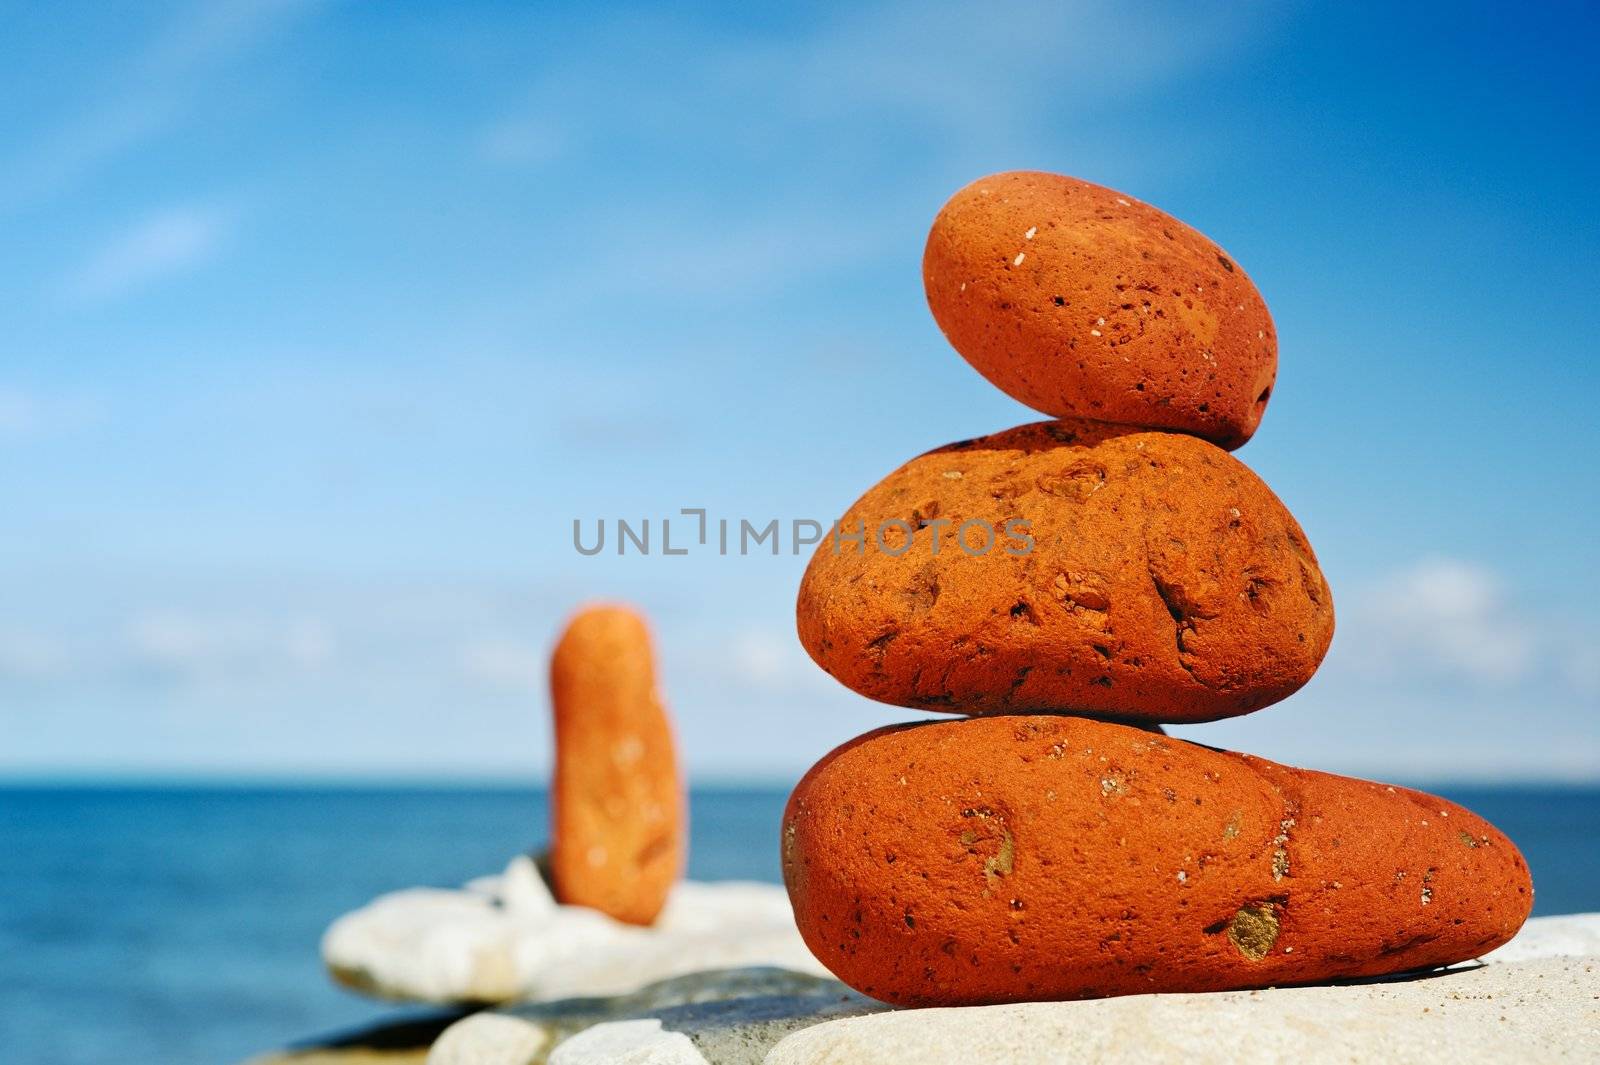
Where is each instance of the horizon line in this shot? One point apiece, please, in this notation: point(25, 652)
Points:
point(181, 779)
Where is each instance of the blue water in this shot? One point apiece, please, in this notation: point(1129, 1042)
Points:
point(180, 925)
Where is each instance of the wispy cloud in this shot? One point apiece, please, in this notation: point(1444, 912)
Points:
point(160, 245)
point(1453, 621)
point(210, 32)
point(524, 140)
point(247, 639)
point(501, 663)
point(979, 79)
point(231, 649)
point(145, 97)
point(809, 119)
point(1442, 669)
point(974, 81)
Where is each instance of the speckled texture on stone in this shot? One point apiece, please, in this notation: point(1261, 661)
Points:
point(1165, 581)
point(1536, 1011)
point(1040, 857)
point(1082, 301)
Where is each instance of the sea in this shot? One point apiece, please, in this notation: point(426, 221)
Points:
point(179, 923)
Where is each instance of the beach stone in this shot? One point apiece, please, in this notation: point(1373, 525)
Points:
point(1081, 301)
point(1040, 857)
point(503, 938)
point(1530, 1011)
point(641, 1042)
point(618, 823)
point(1161, 581)
point(506, 1039)
point(485, 1038)
point(729, 1016)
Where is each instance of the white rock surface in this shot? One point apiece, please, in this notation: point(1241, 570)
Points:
point(1527, 1011)
point(640, 1042)
point(504, 938)
point(491, 1037)
point(1572, 935)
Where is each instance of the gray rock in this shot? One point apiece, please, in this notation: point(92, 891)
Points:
point(727, 1017)
point(402, 1040)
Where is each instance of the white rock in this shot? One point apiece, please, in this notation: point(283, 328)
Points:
point(443, 946)
point(504, 938)
point(1572, 935)
point(523, 892)
point(485, 1038)
point(641, 1042)
point(1546, 1010)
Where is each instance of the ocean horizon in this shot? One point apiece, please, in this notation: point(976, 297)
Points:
point(178, 920)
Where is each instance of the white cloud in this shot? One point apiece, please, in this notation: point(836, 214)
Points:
point(751, 663)
point(214, 31)
point(160, 245)
point(1449, 625)
point(978, 81)
point(504, 664)
point(193, 647)
point(383, 672)
point(764, 659)
point(976, 77)
point(1449, 616)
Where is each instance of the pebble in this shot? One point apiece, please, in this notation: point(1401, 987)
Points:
point(1081, 301)
point(618, 819)
point(1005, 859)
point(1161, 580)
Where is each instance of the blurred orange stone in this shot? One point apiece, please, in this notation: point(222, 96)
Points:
point(617, 800)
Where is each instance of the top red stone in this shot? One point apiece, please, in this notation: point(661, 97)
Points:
point(1083, 302)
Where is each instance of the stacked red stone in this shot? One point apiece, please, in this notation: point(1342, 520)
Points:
point(1071, 585)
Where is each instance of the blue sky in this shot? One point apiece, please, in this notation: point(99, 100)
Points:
point(324, 321)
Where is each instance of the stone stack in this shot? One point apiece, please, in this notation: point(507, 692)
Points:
point(1071, 585)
